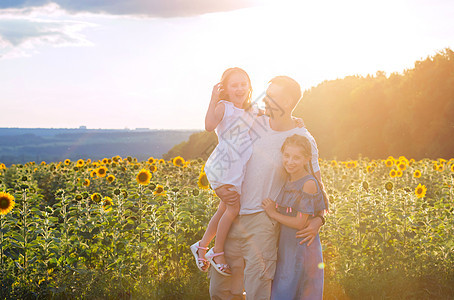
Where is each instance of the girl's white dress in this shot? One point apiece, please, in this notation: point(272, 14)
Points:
point(226, 164)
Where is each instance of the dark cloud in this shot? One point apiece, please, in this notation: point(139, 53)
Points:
point(152, 8)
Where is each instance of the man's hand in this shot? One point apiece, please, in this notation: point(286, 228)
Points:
point(269, 206)
point(298, 122)
point(310, 231)
point(227, 196)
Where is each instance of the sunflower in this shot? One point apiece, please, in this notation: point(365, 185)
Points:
point(6, 203)
point(43, 163)
point(435, 166)
point(402, 166)
point(153, 168)
point(452, 168)
point(110, 178)
point(88, 161)
point(93, 173)
point(80, 163)
point(417, 174)
point(67, 161)
point(159, 191)
point(161, 161)
point(389, 186)
point(95, 164)
point(333, 163)
point(105, 161)
point(2, 166)
point(86, 182)
point(420, 191)
point(144, 177)
point(178, 161)
point(403, 159)
point(107, 205)
point(96, 197)
point(441, 168)
point(411, 162)
point(203, 181)
point(101, 171)
point(399, 173)
point(389, 162)
point(392, 173)
point(151, 160)
point(370, 169)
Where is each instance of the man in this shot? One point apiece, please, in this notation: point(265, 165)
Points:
point(251, 246)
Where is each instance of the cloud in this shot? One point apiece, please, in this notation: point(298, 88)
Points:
point(150, 8)
point(24, 30)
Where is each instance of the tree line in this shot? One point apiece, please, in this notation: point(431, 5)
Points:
point(409, 113)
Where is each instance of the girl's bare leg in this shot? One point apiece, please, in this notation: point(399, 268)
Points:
point(211, 229)
point(225, 222)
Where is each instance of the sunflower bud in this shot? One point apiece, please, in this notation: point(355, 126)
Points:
point(389, 186)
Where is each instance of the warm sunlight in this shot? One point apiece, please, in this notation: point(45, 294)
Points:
point(134, 163)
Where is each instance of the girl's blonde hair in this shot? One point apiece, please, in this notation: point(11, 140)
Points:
point(225, 79)
point(300, 141)
point(306, 149)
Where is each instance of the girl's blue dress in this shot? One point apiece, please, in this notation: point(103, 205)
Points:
point(299, 270)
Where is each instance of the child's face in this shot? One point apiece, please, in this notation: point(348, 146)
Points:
point(294, 160)
point(237, 88)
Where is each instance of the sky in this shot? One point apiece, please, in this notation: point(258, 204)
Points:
point(153, 64)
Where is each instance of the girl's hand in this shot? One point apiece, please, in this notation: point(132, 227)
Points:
point(216, 92)
point(269, 206)
point(299, 122)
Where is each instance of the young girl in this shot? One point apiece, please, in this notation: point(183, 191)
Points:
point(299, 269)
point(231, 118)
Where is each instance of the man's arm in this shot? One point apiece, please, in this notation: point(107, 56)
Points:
point(310, 231)
point(322, 187)
point(229, 197)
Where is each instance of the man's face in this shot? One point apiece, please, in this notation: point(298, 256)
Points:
point(274, 100)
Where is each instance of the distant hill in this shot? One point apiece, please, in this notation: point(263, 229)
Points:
point(409, 114)
point(21, 145)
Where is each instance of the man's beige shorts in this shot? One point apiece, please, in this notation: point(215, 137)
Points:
point(251, 251)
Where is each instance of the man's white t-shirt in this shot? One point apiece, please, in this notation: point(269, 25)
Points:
point(265, 174)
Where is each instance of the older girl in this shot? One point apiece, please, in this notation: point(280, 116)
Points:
point(299, 269)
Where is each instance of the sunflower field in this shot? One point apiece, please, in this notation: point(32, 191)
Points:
point(118, 228)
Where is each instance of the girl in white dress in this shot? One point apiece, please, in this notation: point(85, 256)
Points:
point(231, 115)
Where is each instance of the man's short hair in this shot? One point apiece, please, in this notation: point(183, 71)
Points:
point(291, 87)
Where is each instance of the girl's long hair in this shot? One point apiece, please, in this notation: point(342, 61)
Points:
point(306, 149)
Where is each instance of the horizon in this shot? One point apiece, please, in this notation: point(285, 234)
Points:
point(110, 66)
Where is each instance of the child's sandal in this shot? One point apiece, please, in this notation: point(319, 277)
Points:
point(200, 261)
point(221, 268)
